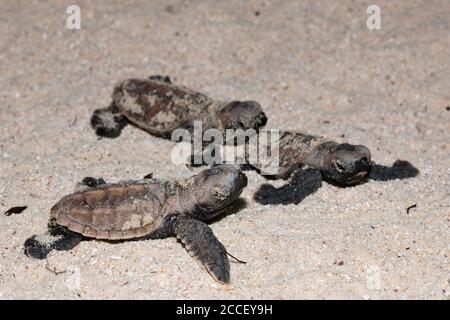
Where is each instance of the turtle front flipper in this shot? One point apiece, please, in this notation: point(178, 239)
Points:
point(108, 122)
point(399, 170)
point(56, 238)
point(202, 245)
point(303, 182)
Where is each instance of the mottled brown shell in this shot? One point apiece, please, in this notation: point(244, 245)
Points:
point(114, 211)
point(159, 107)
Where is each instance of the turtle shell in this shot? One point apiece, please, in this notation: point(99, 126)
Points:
point(124, 210)
point(159, 107)
point(283, 153)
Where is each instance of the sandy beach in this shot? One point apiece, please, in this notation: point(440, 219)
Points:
point(313, 65)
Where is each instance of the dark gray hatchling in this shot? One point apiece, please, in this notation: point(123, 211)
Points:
point(147, 209)
point(159, 107)
point(306, 160)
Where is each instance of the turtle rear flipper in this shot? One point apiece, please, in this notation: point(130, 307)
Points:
point(400, 170)
point(202, 244)
point(302, 183)
point(108, 122)
point(165, 79)
point(89, 182)
point(56, 238)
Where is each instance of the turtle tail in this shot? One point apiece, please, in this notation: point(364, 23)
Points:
point(56, 238)
point(108, 122)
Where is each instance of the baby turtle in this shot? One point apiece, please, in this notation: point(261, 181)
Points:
point(306, 160)
point(159, 107)
point(147, 209)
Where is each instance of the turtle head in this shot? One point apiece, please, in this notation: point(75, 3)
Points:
point(346, 165)
point(216, 188)
point(242, 115)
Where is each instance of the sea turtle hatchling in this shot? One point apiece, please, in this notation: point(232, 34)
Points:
point(307, 159)
point(147, 209)
point(159, 107)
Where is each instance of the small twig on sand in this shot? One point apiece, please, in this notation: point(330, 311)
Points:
point(53, 270)
point(411, 207)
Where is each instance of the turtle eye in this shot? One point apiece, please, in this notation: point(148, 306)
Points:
point(339, 167)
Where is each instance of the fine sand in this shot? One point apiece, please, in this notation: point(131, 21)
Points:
point(313, 65)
